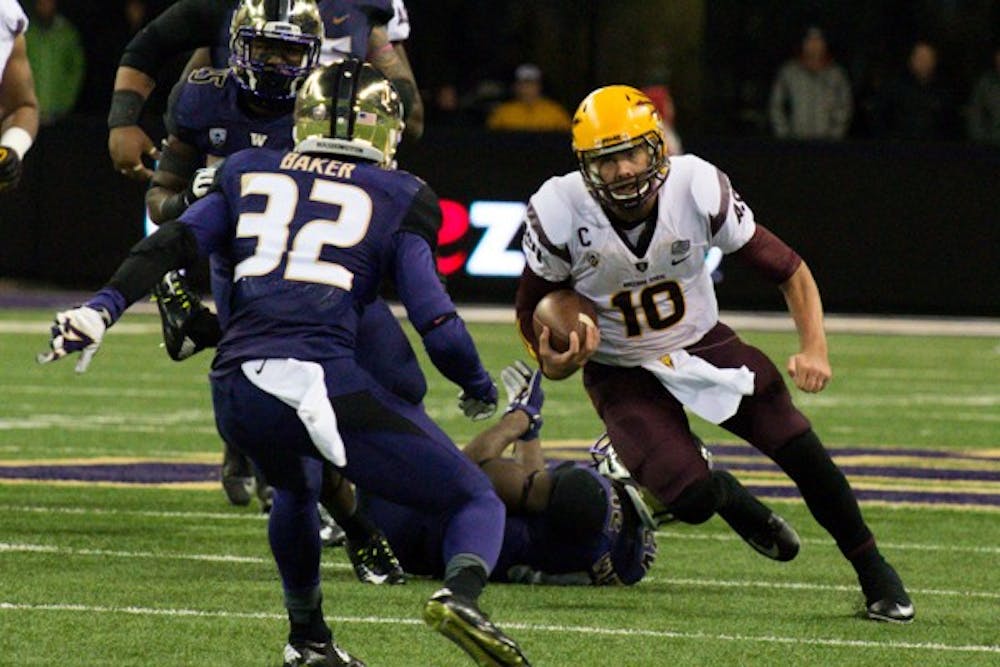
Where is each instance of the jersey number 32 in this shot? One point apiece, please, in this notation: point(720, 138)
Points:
point(271, 228)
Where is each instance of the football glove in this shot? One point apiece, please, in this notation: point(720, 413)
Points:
point(10, 169)
point(476, 405)
point(524, 393)
point(77, 330)
point(202, 183)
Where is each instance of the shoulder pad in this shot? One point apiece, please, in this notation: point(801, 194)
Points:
point(555, 204)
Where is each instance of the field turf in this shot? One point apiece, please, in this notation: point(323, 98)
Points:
point(117, 546)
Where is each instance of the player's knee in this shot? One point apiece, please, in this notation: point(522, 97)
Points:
point(696, 503)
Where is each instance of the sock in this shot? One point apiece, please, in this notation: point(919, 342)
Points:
point(740, 509)
point(305, 616)
point(466, 576)
point(827, 494)
point(357, 526)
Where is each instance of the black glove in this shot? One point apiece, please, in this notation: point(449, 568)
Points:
point(10, 169)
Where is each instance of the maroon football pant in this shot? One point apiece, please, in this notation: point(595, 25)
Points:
point(649, 428)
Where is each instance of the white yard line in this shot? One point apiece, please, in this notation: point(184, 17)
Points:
point(528, 627)
point(18, 547)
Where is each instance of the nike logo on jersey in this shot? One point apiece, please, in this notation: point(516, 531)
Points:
point(337, 20)
point(675, 262)
point(260, 368)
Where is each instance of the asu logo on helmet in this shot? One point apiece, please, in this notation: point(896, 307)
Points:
point(619, 121)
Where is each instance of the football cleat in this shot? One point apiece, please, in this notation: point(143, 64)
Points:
point(777, 539)
point(178, 306)
point(461, 621)
point(374, 562)
point(315, 654)
point(885, 596)
point(237, 477)
point(330, 533)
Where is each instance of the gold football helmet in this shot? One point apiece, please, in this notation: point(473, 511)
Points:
point(273, 45)
point(349, 109)
point(614, 119)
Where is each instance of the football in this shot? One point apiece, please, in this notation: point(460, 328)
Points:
point(563, 311)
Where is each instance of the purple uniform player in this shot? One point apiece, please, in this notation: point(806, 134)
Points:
point(310, 235)
point(611, 547)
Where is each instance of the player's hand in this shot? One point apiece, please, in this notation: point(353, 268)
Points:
point(77, 330)
point(127, 145)
point(10, 169)
point(810, 371)
point(201, 183)
point(524, 393)
point(559, 365)
point(479, 403)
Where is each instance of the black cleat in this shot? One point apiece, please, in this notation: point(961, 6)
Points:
point(237, 477)
point(777, 540)
point(885, 597)
point(461, 621)
point(315, 654)
point(374, 562)
point(178, 306)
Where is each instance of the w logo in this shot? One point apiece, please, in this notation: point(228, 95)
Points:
point(257, 139)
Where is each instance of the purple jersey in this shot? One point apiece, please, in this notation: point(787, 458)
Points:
point(207, 112)
point(620, 555)
point(309, 239)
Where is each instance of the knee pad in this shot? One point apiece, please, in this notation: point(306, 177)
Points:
point(697, 503)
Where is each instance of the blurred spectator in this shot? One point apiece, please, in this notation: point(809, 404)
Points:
point(446, 108)
point(661, 98)
point(529, 110)
point(57, 61)
point(915, 105)
point(136, 13)
point(984, 107)
point(811, 96)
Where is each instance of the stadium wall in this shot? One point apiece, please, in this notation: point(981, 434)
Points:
point(886, 228)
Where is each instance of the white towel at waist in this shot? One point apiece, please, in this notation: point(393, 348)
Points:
point(712, 393)
point(302, 386)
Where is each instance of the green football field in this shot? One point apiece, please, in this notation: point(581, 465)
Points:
point(117, 546)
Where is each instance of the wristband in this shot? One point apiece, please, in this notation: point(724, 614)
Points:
point(126, 108)
point(18, 140)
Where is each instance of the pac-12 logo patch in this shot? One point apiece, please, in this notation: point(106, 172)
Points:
point(217, 136)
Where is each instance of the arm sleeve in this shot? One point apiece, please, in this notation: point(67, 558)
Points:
point(433, 315)
point(769, 256)
point(172, 246)
point(186, 25)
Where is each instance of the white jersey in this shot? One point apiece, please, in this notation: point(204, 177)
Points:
point(13, 22)
point(660, 300)
point(399, 24)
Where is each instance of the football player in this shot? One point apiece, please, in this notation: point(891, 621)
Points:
point(213, 114)
point(351, 28)
point(310, 233)
point(629, 230)
point(18, 104)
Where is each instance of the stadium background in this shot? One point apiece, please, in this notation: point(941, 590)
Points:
point(888, 227)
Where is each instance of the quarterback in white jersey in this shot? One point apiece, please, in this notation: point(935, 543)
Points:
point(629, 230)
point(652, 296)
point(18, 106)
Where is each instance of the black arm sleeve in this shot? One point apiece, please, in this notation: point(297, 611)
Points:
point(172, 246)
point(185, 26)
point(424, 216)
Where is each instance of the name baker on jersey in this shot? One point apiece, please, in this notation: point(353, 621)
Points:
point(317, 165)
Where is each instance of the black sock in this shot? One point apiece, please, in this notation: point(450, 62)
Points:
point(305, 616)
point(467, 582)
point(357, 526)
point(827, 494)
point(740, 509)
